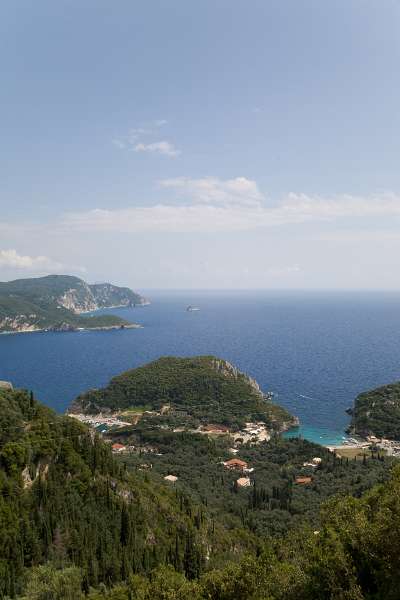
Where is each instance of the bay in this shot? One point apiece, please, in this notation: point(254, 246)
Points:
point(315, 351)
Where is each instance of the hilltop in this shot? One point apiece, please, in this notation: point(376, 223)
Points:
point(57, 301)
point(190, 391)
point(377, 412)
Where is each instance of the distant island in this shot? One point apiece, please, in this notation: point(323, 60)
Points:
point(377, 413)
point(56, 303)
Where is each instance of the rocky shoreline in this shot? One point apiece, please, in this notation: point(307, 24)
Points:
point(66, 328)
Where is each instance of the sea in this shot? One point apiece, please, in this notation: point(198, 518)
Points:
point(314, 350)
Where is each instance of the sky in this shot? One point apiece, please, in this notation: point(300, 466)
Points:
point(174, 144)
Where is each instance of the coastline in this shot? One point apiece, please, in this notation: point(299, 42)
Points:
point(94, 310)
point(73, 329)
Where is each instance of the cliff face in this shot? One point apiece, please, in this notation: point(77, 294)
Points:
point(108, 295)
point(48, 302)
point(78, 298)
point(228, 370)
point(19, 323)
point(85, 298)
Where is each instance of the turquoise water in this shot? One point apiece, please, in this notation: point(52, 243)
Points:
point(319, 435)
point(315, 351)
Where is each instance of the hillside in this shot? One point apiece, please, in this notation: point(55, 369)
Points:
point(377, 412)
point(65, 501)
point(353, 555)
point(193, 391)
point(56, 301)
point(76, 522)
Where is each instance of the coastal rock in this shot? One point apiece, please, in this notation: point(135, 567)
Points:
point(6, 385)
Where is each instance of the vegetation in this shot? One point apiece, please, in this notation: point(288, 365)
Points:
point(78, 523)
point(64, 500)
point(377, 412)
point(198, 390)
point(274, 503)
point(53, 302)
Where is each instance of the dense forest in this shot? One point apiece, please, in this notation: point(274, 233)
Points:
point(202, 389)
point(64, 500)
point(377, 412)
point(273, 503)
point(354, 555)
point(78, 522)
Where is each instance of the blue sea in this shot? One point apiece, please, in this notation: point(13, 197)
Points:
point(315, 351)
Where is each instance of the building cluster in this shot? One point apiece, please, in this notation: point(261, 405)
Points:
point(391, 447)
point(253, 433)
point(236, 464)
point(101, 422)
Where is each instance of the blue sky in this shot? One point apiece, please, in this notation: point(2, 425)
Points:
point(212, 144)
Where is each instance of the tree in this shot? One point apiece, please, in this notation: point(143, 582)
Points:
point(47, 583)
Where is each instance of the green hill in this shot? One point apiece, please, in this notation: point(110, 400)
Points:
point(203, 389)
point(64, 500)
point(377, 412)
point(353, 555)
point(56, 301)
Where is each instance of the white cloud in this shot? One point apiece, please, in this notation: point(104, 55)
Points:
point(211, 190)
point(215, 205)
point(10, 259)
point(162, 147)
point(133, 140)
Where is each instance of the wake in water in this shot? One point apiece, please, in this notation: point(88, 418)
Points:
point(306, 397)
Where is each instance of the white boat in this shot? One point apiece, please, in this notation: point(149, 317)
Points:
point(192, 309)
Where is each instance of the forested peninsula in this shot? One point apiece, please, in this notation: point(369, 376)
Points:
point(56, 303)
point(189, 392)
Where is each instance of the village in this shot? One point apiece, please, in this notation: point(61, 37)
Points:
point(253, 433)
point(354, 447)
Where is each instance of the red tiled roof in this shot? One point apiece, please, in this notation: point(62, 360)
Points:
point(303, 480)
point(236, 462)
point(212, 428)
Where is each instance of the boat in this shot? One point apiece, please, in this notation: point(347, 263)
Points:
point(192, 308)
